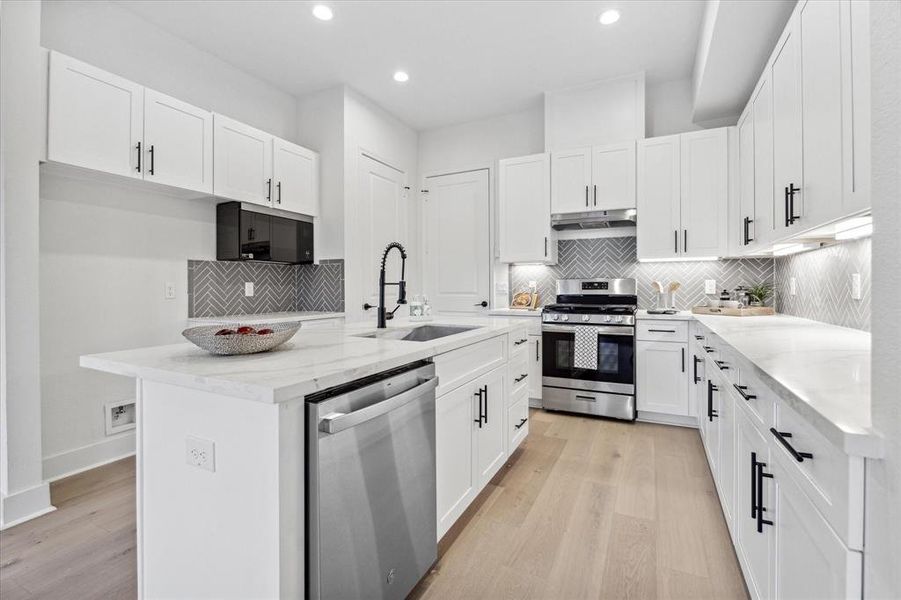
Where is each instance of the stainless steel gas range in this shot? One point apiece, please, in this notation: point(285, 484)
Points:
point(576, 375)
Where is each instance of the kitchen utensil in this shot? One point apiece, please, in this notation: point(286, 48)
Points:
point(237, 343)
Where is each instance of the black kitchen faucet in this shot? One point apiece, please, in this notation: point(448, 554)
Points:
point(383, 314)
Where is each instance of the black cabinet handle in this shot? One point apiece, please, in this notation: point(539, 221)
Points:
point(661, 330)
point(696, 361)
point(483, 411)
point(521, 423)
point(683, 359)
point(675, 241)
point(761, 474)
point(753, 485)
point(747, 232)
point(269, 189)
point(722, 365)
point(685, 240)
point(278, 189)
point(787, 214)
point(152, 160)
point(545, 246)
point(741, 390)
point(520, 378)
point(537, 350)
point(586, 196)
point(710, 412)
point(138, 169)
point(520, 342)
point(792, 190)
point(699, 337)
point(595, 195)
point(781, 437)
point(708, 349)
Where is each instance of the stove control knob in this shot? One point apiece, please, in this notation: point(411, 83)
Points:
point(608, 318)
point(566, 317)
point(619, 319)
point(556, 317)
point(586, 318)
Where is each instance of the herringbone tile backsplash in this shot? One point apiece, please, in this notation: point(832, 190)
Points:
point(823, 283)
point(216, 288)
point(616, 257)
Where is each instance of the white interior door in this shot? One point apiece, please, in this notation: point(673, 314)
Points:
point(178, 143)
point(381, 219)
point(295, 171)
point(455, 235)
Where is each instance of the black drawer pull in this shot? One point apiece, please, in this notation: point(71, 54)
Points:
point(520, 342)
point(520, 378)
point(708, 349)
point(741, 390)
point(781, 437)
point(699, 337)
point(722, 365)
point(696, 361)
point(711, 412)
point(521, 423)
point(662, 330)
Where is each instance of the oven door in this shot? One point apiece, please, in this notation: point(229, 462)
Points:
point(615, 372)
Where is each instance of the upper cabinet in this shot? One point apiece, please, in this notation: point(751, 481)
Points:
point(100, 121)
point(683, 193)
point(593, 178)
point(524, 202)
point(95, 118)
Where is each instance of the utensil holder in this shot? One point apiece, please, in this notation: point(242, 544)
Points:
point(666, 300)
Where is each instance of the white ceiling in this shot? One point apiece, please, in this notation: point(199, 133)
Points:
point(466, 60)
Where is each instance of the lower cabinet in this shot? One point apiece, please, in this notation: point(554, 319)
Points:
point(490, 439)
point(517, 421)
point(661, 385)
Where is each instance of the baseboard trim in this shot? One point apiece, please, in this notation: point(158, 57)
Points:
point(665, 419)
point(88, 457)
point(25, 505)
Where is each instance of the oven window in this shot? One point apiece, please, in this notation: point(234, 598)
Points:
point(615, 358)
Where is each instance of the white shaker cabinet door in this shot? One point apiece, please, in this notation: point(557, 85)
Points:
point(662, 384)
point(524, 200)
point(571, 181)
point(613, 176)
point(178, 143)
point(746, 216)
point(491, 439)
point(788, 181)
point(95, 118)
point(705, 190)
point(295, 176)
point(457, 482)
point(658, 198)
point(242, 162)
point(764, 207)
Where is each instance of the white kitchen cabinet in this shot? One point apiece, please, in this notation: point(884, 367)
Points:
point(295, 173)
point(704, 192)
point(659, 204)
point(524, 200)
point(490, 434)
point(725, 476)
point(455, 466)
point(662, 385)
point(178, 143)
point(95, 118)
point(855, 33)
point(764, 207)
point(818, 26)
point(788, 182)
point(810, 560)
point(243, 162)
point(593, 178)
point(535, 367)
point(517, 422)
point(571, 180)
point(746, 212)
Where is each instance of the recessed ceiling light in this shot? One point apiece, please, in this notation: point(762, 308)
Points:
point(322, 12)
point(609, 17)
point(401, 77)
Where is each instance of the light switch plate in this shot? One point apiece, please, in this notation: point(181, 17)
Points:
point(793, 286)
point(170, 290)
point(856, 292)
point(248, 288)
point(710, 286)
point(200, 453)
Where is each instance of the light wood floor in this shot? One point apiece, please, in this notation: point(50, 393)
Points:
point(586, 508)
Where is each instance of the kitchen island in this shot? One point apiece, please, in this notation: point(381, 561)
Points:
point(220, 446)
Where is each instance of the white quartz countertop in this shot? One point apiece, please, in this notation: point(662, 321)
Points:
point(515, 312)
point(259, 318)
point(682, 315)
point(311, 361)
point(821, 371)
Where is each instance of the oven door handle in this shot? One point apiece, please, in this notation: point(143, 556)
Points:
point(602, 329)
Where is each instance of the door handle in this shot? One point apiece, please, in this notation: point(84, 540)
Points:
point(748, 238)
point(520, 342)
point(741, 390)
point(696, 361)
point(152, 159)
point(278, 190)
point(586, 196)
point(481, 399)
point(269, 189)
point(483, 303)
point(520, 378)
point(486, 404)
point(138, 169)
point(683, 359)
point(521, 423)
point(792, 190)
point(685, 241)
point(537, 349)
point(675, 241)
point(595, 195)
point(787, 214)
point(338, 422)
point(761, 474)
point(545, 246)
point(781, 438)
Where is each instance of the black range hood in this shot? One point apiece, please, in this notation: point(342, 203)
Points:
point(247, 231)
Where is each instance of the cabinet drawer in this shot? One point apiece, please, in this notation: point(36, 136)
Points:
point(662, 331)
point(831, 479)
point(517, 421)
point(519, 341)
point(726, 362)
point(755, 397)
point(458, 366)
point(518, 373)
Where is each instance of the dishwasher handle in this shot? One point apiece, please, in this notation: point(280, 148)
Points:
point(337, 422)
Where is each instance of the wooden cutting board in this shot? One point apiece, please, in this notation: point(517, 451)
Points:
point(750, 311)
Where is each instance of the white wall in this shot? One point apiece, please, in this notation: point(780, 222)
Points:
point(107, 250)
point(668, 108)
point(882, 577)
point(22, 491)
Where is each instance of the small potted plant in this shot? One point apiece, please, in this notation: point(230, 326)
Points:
point(759, 294)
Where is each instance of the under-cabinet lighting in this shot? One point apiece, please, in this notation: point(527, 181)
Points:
point(681, 259)
point(855, 233)
point(323, 12)
point(786, 249)
point(609, 17)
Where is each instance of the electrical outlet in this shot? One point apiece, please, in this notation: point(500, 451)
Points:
point(200, 453)
point(710, 286)
point(793, 286)
point(856, 292)
point(248, 288)
point(120, 416)
point(170, 290)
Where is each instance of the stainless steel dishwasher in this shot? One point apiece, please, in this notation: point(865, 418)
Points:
point(370, 467)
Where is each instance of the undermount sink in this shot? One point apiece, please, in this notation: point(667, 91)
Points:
point(422, 333)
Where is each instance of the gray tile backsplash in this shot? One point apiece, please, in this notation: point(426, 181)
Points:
point(823, 284)
point(216, 288)
point(617, 257)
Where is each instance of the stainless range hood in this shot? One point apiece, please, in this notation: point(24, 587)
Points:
point(598, 219)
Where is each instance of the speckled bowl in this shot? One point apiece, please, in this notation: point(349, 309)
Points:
point(205, 337)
